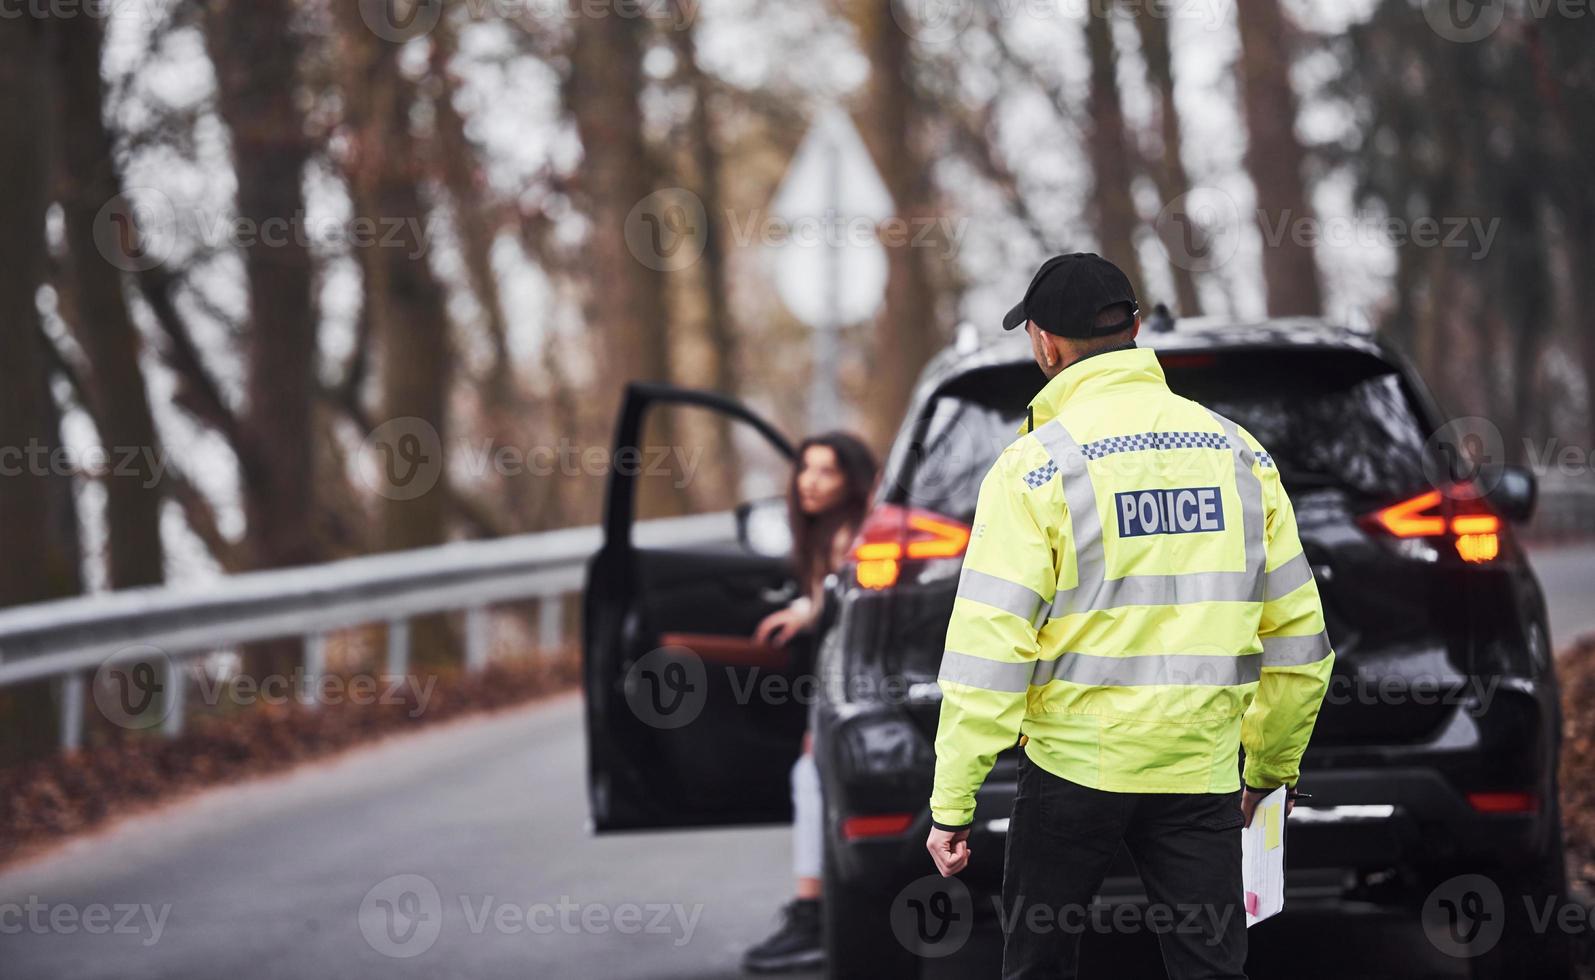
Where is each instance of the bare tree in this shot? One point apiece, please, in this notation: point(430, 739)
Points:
point(1168, 166)
point(37, 521)
point(907, 333)
point(1275, 158)
point(1111, 165)
point(386, 166)
point(87, 185)
point(627, 300)
point(720, 319)
point(257, 59)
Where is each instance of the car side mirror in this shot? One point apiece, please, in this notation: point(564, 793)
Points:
point(764, 528)
point(1514, 492)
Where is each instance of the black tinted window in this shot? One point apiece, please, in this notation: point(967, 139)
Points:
point(969, 426)
point(1329, 418)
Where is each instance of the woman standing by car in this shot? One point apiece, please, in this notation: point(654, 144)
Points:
point(826, 500)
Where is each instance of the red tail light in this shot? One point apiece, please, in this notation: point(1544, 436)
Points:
point(1463, 520)
point(892, 534)
point(885, 825)
point(1504, 802)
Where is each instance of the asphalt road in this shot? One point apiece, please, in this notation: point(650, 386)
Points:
point(1567, 574)
point(472, 838)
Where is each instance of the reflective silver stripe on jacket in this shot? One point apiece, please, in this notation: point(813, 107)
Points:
point(1295, 651)
point(988, 675)
point(1002, 594)
point(1095, 591)
point(1289, 577)
point(1170, 669)
point(1182, 669)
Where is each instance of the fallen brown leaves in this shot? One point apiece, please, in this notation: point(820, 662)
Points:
point(63, 795)
point(1576, 667)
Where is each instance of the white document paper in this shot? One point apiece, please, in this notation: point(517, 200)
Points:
point(1263, 859)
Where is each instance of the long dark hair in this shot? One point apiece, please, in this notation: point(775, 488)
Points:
point(813, 534)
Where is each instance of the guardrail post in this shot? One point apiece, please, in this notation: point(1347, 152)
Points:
point(71, 712)
point(175, 687)
point(550, 624)
point(398, 647)
point(315, 666)
point(476, 637)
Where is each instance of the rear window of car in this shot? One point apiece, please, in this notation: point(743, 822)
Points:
point(1336, 419)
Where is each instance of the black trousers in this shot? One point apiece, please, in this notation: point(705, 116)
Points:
point(1063, 837)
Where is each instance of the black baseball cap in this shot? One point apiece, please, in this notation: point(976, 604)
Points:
point(1067, 294)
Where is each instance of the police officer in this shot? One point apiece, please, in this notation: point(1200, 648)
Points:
point(1134, 608)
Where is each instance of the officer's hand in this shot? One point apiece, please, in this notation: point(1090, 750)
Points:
point(949, 849)
point(1250, 799)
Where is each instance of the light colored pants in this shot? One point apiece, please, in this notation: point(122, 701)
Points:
point(808, 810)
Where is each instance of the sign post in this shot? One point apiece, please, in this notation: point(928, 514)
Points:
point(829, 267)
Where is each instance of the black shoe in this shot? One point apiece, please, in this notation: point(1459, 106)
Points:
point(794, 946)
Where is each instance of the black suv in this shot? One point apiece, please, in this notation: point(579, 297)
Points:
point(1435, 754)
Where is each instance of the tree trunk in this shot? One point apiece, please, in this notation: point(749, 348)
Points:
point(1275, 158)
point(117, 398)
point(257, 61)
point(1116, 218)
point(720, 318)
point(386, 165)
point(627, 305)
point(37, 521)
point(1169, 169)
point(635, 237)
point(907, 333)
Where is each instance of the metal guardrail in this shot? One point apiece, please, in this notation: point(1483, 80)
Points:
point(1566, 508)
point(70, 639)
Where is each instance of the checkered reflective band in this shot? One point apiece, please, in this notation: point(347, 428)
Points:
point(1154, 440)
point(1037, 477)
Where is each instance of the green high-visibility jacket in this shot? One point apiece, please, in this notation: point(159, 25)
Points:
point(1134, 600)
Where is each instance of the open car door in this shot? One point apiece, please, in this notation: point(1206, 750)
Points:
point(689, 722)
